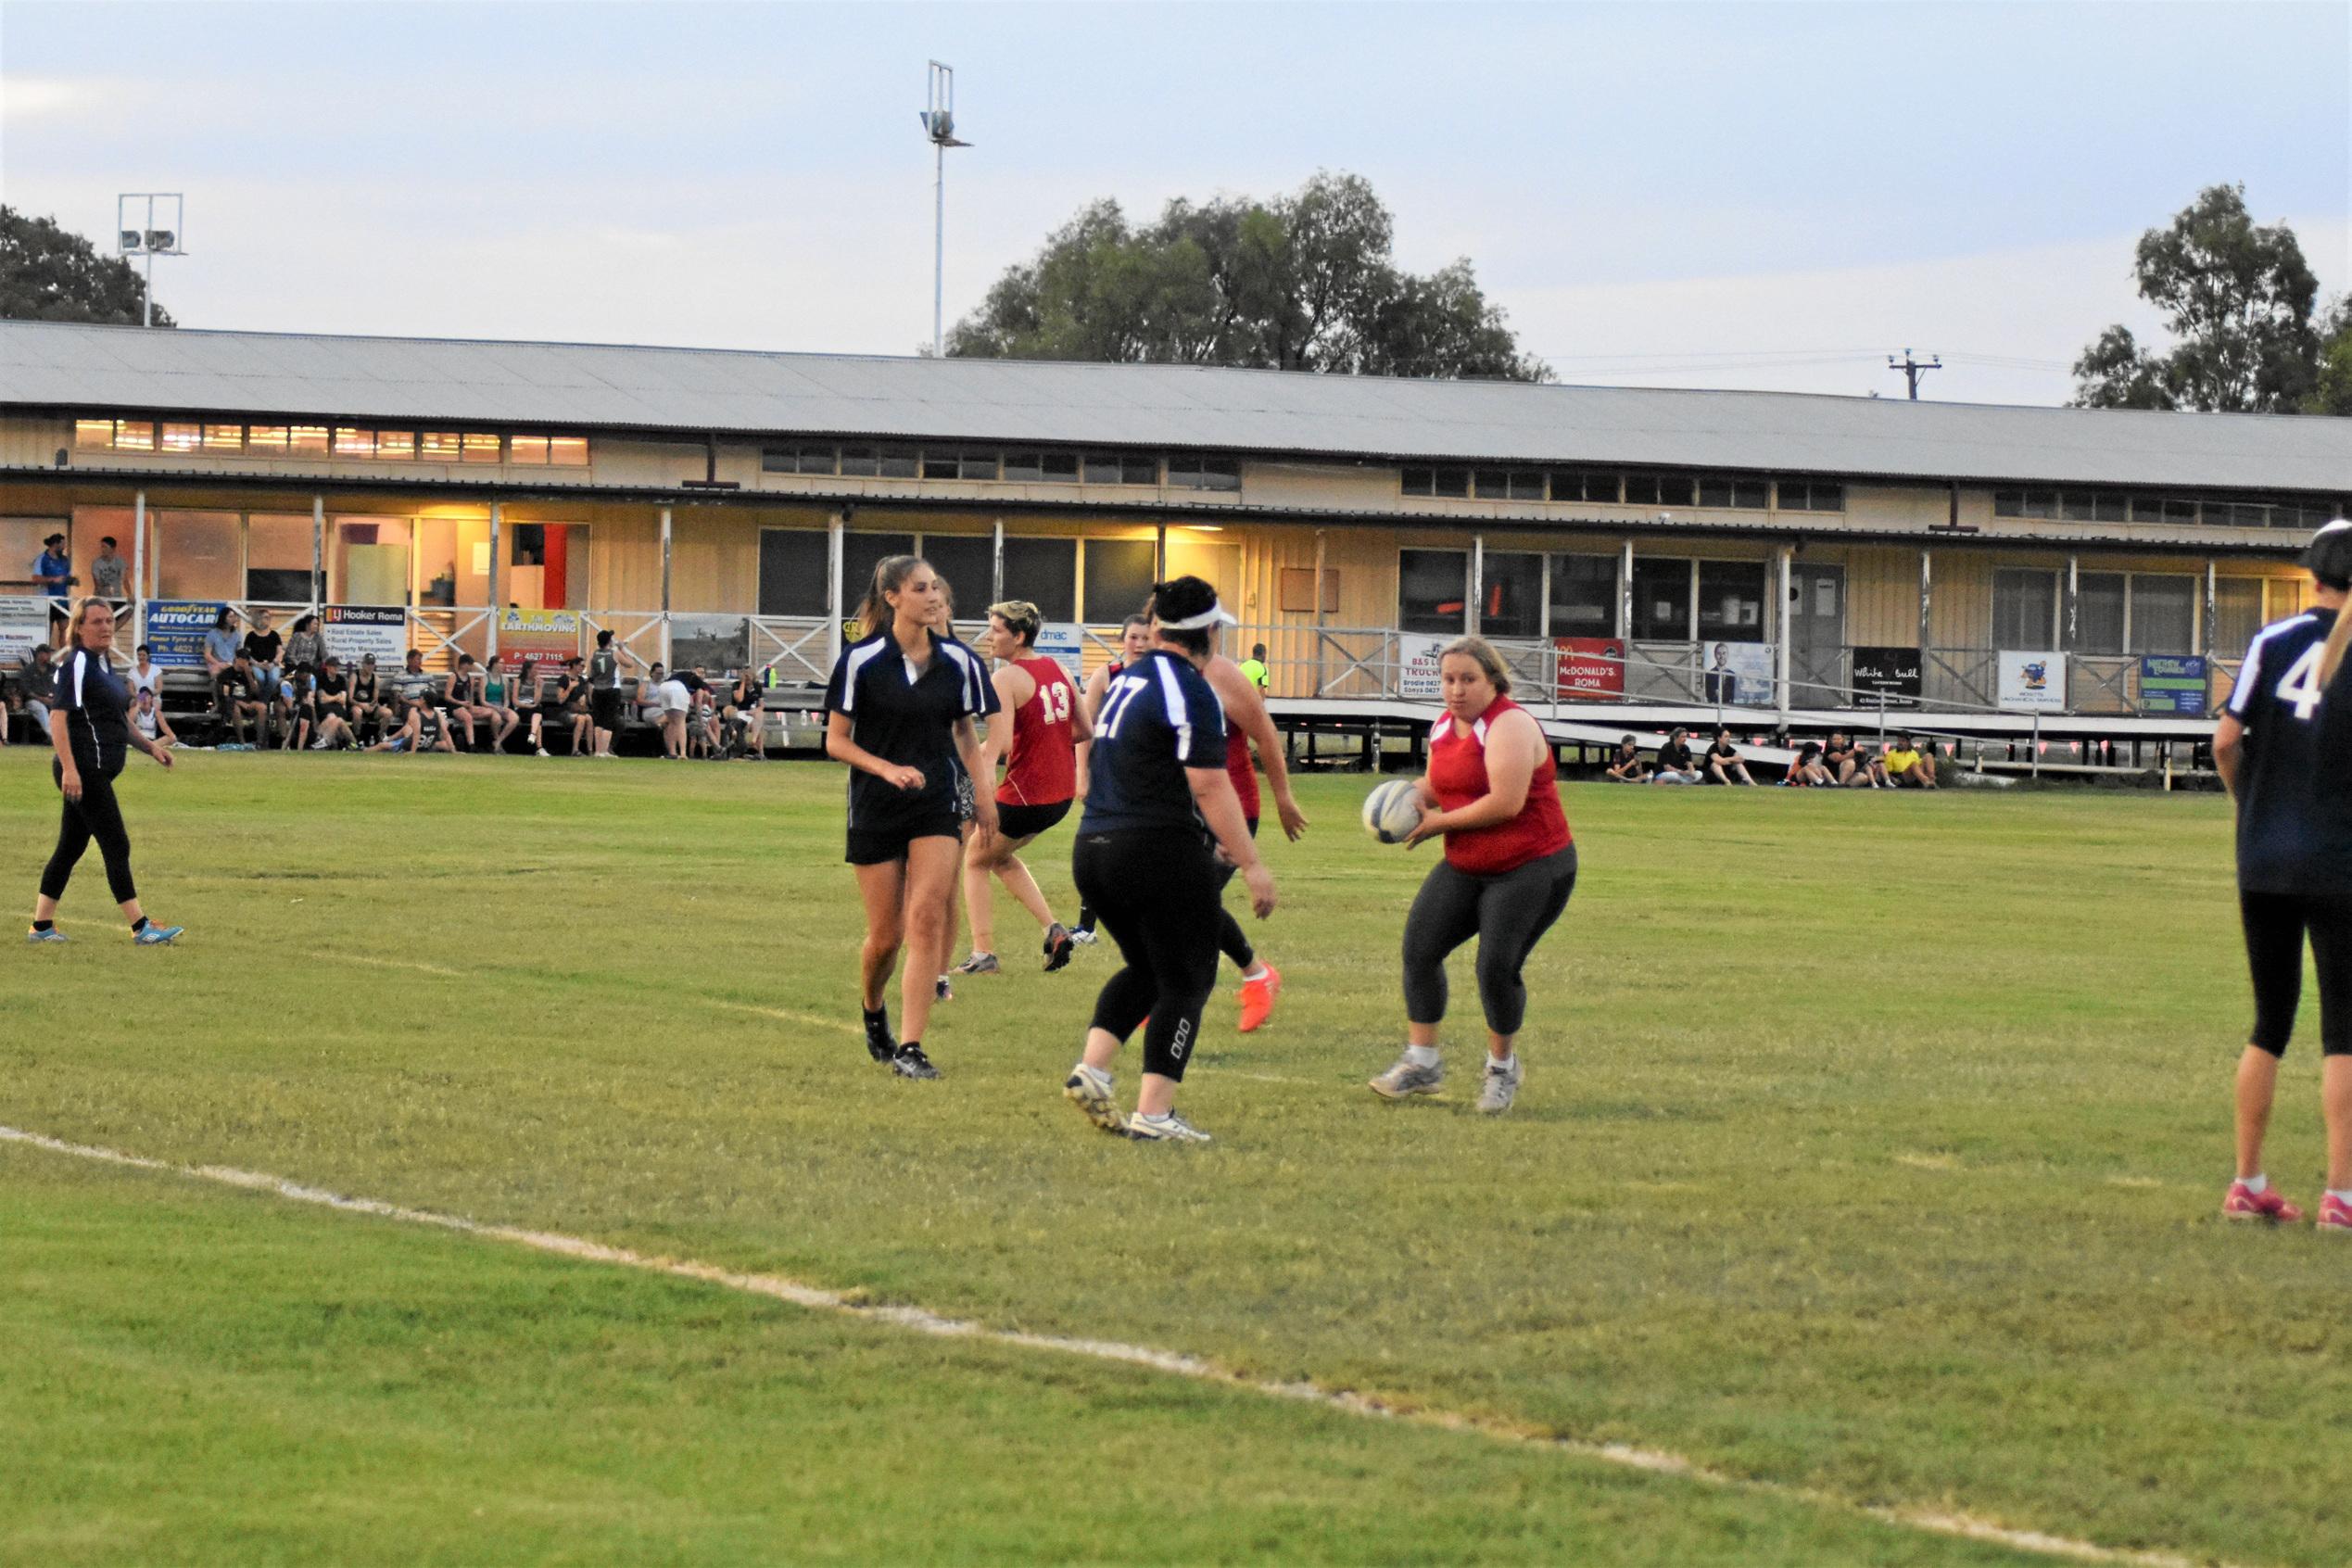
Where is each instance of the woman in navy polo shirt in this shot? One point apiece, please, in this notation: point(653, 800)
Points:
point(899, 710)
point(89, 729)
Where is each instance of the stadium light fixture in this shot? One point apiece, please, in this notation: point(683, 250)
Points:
point(938, 124)
point(148, 239)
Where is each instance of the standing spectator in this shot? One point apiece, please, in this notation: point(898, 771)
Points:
point(37, 679)
point(1908, 768)
point(221, 644)
point(145, 673)
point(108, 570)
point(330, 707)
point(1808, 771)
point(1723, 765)
point(237, 694)
point(266, 649)
point(307, 647)
point(146, 717)
point(1674, 763)
point(1254, 667)
point(673, 700)
point(53, 569)
point(604, 691)
point(1627, 766)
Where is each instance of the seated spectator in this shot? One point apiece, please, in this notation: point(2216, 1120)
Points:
point(1674, 763)
point(145, 673)
point(290, 718)
point(742, 717)
point(1908, 768)
point(221, 644)
point(1627, 766)
point(36, 680)
point(369, 710)
point(1836, 753)
point(1808, 771)
point(403, 723)
point(490, 694)
point(306, 647)
point(414, 691)
point(267, 649)
point(331, 708)
point(650, 704)
point(1863, 771)
point(702, 711)
point(146, 717)
point(436, 724)
point(236, 695)
point(567, 705)
point(1723, 765)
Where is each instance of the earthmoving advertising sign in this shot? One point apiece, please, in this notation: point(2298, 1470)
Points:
point(544, 635)
point(1590, 666)
point(176, 628)
point(1885, 675)
point(355, 630)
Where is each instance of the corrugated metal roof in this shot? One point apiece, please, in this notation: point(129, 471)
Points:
point(698, 390)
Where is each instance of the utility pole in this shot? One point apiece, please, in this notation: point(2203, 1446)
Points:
point(1914, 369)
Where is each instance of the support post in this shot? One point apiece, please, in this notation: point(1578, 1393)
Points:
point(138, 568)
point(1926, 598)
point(497, 538)
point(1625, 592)
point(318, 552)
point(2074, 591)
point(1476, 587)
point(1318, 613)
point(996, 567)
point(1159, 554)
point(665, 586)
point(2204, 627)
point(1782, 666)
point(835, 610)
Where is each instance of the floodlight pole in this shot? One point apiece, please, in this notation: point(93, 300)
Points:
point(938, 124)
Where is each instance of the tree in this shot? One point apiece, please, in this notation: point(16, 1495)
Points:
point(2236, 298)
point(1303, 281)
point(48, 273)
point(2331, 393)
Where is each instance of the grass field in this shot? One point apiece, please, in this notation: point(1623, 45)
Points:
point(1870, 1149)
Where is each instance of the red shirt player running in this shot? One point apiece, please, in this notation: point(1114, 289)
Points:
point(1040, 779)
point(1509, 866)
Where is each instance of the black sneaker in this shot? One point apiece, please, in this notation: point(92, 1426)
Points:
point(878, 1043)
point(1058, 947)
point(910, 1062)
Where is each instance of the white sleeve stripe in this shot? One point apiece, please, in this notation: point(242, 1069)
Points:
point(2242, 689)
point(1180, 717)
point(859, 658)
point(81, 668)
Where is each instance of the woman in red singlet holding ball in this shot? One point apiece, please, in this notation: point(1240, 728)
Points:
point(1036, 737)
point(1509, 866)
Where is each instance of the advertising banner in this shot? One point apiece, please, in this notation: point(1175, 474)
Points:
point(547, 636)
point(24, 625)
point(1887, 675)
point(1065, 643)
point(355, 630)
point(1737, 674)
point(1590, 666)
point(2173, 683)
point(2033, 683)
point(1417, 662)
point(176, 628)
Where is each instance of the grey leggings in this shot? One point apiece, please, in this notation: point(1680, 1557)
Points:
point(1507, 913)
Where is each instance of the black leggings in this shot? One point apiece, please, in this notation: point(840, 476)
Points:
point(1508, 914)
point(1230, 940)
point(1154, 890)
point(2275, 924)
point(95, 816)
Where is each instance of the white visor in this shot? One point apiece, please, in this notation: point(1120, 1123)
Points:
point(1215, 615)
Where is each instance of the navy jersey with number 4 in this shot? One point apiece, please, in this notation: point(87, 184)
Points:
point(907, 718)
point(1159, 717)
point(2294, 782)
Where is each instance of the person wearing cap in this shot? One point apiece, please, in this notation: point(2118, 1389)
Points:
point(107, 570)
point(2284, 746)
point(900, 710)
point(1157, 775)
point(1493, 792)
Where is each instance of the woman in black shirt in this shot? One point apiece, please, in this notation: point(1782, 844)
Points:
point(92, 736)
point(899, 711)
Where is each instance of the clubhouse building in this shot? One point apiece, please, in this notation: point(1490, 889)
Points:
point(1801, 554)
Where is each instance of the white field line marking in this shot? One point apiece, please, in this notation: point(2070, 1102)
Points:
point(1352, 1402)
point(784, 1016)
point(393, 964)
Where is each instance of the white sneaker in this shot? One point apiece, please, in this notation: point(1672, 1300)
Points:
point(1168, 1129)
point(1091, 1092)
point(1407, 1077)
point(1498, 1086)
point(320, 744)
point(542, 751)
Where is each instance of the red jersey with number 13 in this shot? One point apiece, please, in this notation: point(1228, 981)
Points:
point(1044, 767)
point(1458, 777)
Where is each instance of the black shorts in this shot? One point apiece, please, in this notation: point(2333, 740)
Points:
point(2275, 926)
point(1028, 821)
point(879, 846)
point(606, 707)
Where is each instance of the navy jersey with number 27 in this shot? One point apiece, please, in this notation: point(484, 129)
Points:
point(1159, 717)
point(2294, 782)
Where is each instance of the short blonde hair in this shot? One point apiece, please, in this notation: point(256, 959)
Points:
point(1478, 648)
point(1021, 618)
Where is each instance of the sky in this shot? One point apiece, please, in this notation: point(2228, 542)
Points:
point(1748, 195)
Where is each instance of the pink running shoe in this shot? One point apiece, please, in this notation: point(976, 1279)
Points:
point(2336, 1216)
point(2267, 1204)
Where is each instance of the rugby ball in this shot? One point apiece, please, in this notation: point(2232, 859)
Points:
point(1392, 811)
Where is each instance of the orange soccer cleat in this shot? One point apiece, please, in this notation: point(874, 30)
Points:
point(1257, 998)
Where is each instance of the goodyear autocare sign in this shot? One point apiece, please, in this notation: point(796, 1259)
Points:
point(2173, 683)
point(176, 628)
